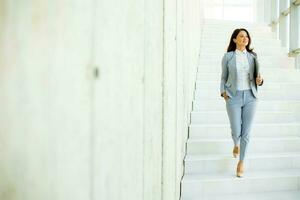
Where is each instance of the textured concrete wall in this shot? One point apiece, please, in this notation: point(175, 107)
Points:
point(45, 99)
point(67, 134)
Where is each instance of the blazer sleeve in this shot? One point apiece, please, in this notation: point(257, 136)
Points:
point(258, 68)
point(224, 74)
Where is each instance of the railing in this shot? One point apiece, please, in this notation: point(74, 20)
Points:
point(282, 15)
point(294, 52)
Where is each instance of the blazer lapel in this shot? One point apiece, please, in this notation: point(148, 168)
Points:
point(251, 64)
point(233, 63)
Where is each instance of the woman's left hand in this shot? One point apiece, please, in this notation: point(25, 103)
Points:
point(259, 80)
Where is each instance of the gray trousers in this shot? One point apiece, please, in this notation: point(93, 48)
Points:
point(241, 109)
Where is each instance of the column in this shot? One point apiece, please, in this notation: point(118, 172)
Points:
point(259, 11)
point(267, 11)
point(284, 23)
point(295, 28)
point(274, 15)
point(295, 32)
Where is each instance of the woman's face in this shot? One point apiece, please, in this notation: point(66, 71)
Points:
point(241, 39)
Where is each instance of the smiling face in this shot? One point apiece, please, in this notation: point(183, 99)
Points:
point(241, 39)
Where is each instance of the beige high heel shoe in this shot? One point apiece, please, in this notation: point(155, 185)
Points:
point(236, 151)
point(240, 169)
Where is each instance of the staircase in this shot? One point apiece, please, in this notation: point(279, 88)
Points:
point(272, 165)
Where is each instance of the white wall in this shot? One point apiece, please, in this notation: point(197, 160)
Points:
point(65, 134)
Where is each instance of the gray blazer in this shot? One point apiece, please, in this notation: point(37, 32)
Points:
point(229, 73)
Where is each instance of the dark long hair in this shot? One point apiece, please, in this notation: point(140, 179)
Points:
point(232, 45)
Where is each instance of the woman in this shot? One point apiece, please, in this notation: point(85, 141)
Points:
point(239, 81)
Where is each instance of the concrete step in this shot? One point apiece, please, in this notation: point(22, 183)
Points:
point(230, 25)
point(215, 67)
point(215, 52)
point(270, 75)
point(220, 45)
point(218, 51)
point(215, 117)
point(269, 85)
point(208, 42)
point(223, 131)
point(226, 34)
point(214, 64)
point(253, 182)
point(218, 22)
point(271, 105)
point(225, 163)
point(257, 38)
point(277, 195)
point(263, 54)
point(269, 57)
point(256, 146)
point(263, 94)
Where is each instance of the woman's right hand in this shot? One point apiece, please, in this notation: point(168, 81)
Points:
point(225, 96)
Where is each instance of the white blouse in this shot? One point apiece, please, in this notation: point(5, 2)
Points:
point(243, 70)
